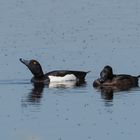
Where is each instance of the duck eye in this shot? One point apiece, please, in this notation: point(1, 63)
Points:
point(34, 63)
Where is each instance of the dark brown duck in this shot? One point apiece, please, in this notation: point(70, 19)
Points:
point(120, 81)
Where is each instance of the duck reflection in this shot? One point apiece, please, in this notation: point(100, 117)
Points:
point(34, 97)
point(36, 93)
point(66, 84)
point(107, 92)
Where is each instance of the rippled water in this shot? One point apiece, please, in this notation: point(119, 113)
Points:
point(76, 35)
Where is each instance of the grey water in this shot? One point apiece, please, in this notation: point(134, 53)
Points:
point(77, 35)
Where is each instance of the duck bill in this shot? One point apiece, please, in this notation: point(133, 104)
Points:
point(102, 80)
point(25, 62)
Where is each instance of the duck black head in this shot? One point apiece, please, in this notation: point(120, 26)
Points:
point(106, 74)
point(34, 66)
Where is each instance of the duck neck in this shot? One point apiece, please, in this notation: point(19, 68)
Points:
point(39, 75)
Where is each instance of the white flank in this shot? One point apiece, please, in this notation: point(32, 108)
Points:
point(68, 77)
point(62, 84)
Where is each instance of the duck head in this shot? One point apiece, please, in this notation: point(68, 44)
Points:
point(34, 66)
point(106, 74)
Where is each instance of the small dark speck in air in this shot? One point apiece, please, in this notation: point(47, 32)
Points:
point(89, 137)
point(60, 138)
point(63, 60)
point(79, 124)
point(66, 119)
point(68, 109)
point(122, 132)
point(108, 133)
point(85, 105)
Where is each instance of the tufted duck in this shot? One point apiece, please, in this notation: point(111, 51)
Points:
point(121, 81)
point(53, 76)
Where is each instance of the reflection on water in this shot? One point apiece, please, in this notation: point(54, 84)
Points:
point(36, 93)
point(66, 84)
point(107, 92)
point(34, 97)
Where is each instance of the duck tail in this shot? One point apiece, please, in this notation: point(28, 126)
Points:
point(90, 71)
